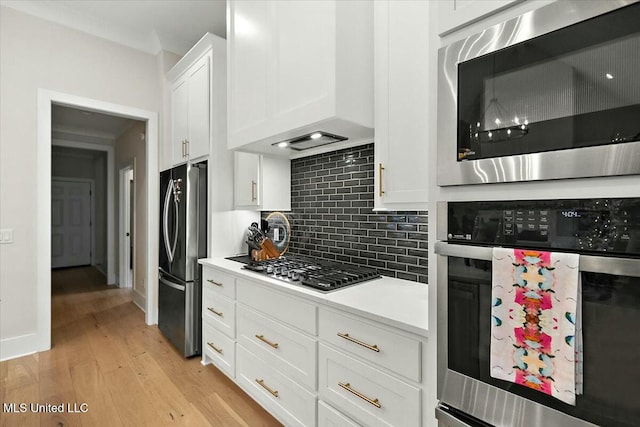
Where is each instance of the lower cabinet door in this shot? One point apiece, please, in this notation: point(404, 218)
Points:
point(365, 393)
point(283, 397)
point(218, 349)
point(329, 417)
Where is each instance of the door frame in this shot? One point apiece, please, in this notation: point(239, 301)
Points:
point(92, 202)
point(43, 184)
point(124, 279)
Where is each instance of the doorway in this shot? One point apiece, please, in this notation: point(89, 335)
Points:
point(127, 234)
point(46, 99)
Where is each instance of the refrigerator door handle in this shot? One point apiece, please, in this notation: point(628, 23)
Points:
point(172, 285)
point(165, 220)
point(177, 225)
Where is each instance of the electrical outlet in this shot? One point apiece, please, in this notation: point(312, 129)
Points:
point(6, 236)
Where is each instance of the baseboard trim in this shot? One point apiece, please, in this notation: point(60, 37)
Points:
point(12, 348)
point(139, 300)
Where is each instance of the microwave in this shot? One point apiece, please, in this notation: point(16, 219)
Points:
point(551, 94)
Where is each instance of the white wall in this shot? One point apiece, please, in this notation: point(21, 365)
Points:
point(129, 146)
point(38, 54)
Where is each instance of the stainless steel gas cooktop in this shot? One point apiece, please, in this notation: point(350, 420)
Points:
point(317, 274)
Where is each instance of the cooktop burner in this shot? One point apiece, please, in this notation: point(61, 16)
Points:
point(321, 275)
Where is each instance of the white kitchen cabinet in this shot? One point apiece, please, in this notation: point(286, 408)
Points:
point(329, 417)
point(296, 67)
point(454, 14)
point(365, 393)
point(309, 362)
point(195, 93)
point(262, 182)
point(277, 356)
point(218, 320)
point(402, 73)
point(283, 397)
point(372, 342)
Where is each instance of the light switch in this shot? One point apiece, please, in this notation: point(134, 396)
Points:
point(6, 235)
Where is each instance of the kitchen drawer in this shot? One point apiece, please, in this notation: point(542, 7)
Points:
point(365, 393)
point(371, 342)
point(219, 281)
point(294, 311)
point(329, 417)
point(219, 349)
point(283, 348)
point(219, 311)
point(283, 397)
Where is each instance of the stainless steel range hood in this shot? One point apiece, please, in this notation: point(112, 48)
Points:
point(311, 140)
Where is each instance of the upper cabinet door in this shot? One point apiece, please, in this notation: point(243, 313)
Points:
point(199, 108)
point(249, 40)
point(401, 104)
point(454, 14)
point(179, 121)
point(247, 180)
point(296, 67)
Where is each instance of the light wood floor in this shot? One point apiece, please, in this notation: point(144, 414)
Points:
point(127, 373)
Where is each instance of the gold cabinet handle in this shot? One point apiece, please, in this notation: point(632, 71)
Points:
point(217, 313)
point(183, 147)
point(214, 282)
point(346, 336)
point(186, 148)
point(380, 169)
point(216, 349)
point(347, 387)
point(254, 187)
point(266, 341)
point(266, 387)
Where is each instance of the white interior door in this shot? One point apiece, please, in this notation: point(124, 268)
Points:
point(70, 223)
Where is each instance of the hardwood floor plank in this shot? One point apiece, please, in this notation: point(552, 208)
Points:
point(124, 389)
point(21, 394)
point(103, 354)
point(90, 388)
point(167, 398)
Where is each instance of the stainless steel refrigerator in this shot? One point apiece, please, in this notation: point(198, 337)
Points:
point(183, 239)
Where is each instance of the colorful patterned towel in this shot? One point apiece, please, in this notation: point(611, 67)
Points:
point(535, 331)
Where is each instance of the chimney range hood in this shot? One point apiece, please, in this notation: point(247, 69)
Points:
point(302, 72)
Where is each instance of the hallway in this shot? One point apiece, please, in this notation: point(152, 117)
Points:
point(103, 355)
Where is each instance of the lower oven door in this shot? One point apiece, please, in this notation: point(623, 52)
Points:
point(611, 339)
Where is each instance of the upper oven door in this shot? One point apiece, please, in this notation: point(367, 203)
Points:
point(610, 311)
point(538, 98)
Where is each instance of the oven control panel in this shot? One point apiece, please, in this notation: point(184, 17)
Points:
point(599, 225)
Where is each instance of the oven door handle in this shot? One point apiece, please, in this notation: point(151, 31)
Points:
point(588, 263)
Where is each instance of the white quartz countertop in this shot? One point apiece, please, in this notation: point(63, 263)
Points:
point(395, 302)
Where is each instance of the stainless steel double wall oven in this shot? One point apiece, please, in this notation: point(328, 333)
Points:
point(551, 94)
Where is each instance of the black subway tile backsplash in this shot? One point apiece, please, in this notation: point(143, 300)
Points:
point(332, 217)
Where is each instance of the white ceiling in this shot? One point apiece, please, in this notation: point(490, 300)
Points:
point(146, 25)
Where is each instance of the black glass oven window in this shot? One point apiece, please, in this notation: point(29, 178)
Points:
point(574, 87)
point(611, 318)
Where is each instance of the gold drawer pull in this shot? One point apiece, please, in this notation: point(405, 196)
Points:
point(218, 350)
point(213, 282)
point(380, 190)
point(217, 313)
point(266, 387)
point(373, 347)
point(266, 341)
point(347, 387)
